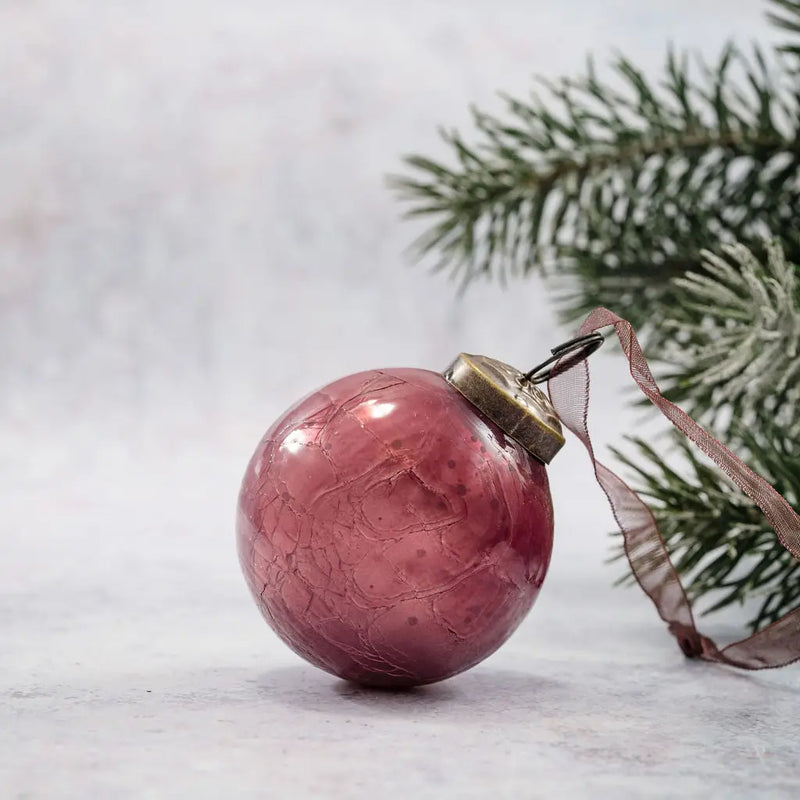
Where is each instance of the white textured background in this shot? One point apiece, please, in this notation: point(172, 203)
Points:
point(193, 232)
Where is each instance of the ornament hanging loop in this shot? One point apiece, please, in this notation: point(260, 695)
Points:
point(577, 349)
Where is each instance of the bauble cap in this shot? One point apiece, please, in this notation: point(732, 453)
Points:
point(516, 405)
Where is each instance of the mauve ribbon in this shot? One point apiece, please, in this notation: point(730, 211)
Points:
point(774, 646)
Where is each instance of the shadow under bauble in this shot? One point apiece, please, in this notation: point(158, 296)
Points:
point(478, 695)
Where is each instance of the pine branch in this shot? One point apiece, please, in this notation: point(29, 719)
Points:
point(787, 17)
point(742, 351)
point(621, 188)
point(719, 541)
point(613, 190)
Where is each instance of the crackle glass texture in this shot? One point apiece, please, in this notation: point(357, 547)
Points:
point(391, 534)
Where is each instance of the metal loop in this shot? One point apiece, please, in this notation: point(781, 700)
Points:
point(580, 348)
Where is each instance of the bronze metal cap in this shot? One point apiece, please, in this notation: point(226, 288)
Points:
point(518, 407)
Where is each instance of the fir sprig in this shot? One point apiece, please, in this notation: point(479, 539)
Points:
point(742, 354)
point(786, 15)
point(719, 541)
point(614, 190)
point(620, 186)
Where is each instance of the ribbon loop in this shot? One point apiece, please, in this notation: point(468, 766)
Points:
point(774, 646)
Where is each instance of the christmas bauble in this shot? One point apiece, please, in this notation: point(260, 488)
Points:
point(394, 532)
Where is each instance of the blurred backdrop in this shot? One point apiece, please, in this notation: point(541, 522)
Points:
point(195, 231)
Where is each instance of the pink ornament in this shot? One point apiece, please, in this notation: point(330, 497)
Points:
point(391, 533)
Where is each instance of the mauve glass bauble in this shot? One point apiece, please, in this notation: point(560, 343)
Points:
point(389, 532)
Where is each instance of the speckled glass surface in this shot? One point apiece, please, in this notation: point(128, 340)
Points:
point(389, 533)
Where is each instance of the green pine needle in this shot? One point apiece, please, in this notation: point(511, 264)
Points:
point(787, 16)
point(742, 351)
point(614, 191)
point(719, 541)
point(617, 189)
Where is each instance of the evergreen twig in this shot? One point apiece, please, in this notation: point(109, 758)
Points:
point(786, 15)
point(743, 352)
point(616, 190)
point(619, 187)
point(719, 541)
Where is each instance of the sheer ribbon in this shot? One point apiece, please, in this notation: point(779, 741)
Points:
point(773, 646)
